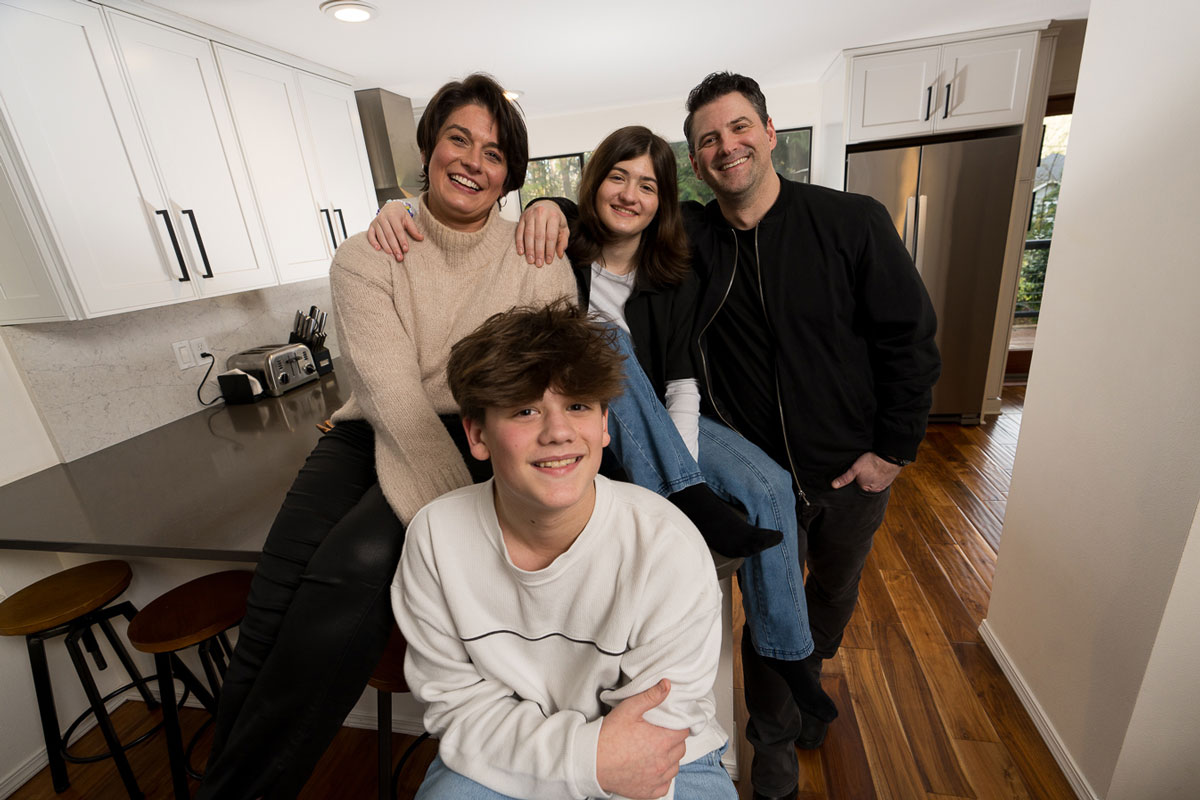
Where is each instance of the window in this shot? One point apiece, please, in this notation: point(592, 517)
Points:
point(792, 157)
point(556, 176)
point(559, 176)
point(1046, 183)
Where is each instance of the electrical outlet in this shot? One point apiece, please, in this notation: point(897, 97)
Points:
point(199, 346)
point(183, 355)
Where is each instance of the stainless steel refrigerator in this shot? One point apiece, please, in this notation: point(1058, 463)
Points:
point(950, 203)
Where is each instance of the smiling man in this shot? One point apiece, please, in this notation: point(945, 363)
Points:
point(817, 342)
point(563, 629)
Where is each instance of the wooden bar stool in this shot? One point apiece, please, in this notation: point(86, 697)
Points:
point(195, 613)
point(70, 603)
point(387, 679)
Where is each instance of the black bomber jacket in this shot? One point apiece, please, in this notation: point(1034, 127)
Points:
point(856, 360)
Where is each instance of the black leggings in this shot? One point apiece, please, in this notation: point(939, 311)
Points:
point(317, 620)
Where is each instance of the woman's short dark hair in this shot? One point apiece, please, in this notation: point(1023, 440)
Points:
point(716, 86)
point(478, 89)
point(662, 259)
point(516, 355)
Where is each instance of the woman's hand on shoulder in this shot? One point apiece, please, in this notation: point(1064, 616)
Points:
point(392, 228)
point(542, 233)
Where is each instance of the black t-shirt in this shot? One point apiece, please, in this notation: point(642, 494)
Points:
point(741, 352)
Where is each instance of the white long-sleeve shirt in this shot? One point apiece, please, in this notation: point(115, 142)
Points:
point(517, 668)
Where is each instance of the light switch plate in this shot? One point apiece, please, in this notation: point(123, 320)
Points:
point(183, 354)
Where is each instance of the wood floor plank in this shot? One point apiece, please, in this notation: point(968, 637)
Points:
point(884, 553)
point(884, 740)
point(847, 770)
point(992, 771)
point(874, 599)
point(970, 588)
point(962, 714)
point(955, 621)
point(974, 509)
point(976, 548)
point(923, 728)
point(1013, 725)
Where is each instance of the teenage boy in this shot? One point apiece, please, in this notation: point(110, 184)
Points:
point(563, 629)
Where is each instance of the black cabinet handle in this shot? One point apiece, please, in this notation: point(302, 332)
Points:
point(329, 222)
point(342, 220)
point(175, 244)
point(946, 111)
point(928, 101)
point(199, 242)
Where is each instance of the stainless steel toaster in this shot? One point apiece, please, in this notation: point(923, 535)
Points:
point(278, 367)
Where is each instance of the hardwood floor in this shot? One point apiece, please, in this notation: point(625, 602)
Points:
point(925, 710)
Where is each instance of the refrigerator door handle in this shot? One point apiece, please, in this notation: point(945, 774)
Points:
point(910, 221)
point(918, 253)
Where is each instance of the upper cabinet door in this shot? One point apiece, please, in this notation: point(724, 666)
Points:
point(988, 81)
point(26, 291)
point(74, 131)
point(893, 94)
point(340, 153)
point(178, 95)
point(268, 112)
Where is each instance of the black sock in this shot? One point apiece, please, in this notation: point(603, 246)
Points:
point(720, 525)
point(805, 684)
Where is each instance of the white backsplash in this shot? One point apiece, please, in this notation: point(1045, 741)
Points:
point(101, 381)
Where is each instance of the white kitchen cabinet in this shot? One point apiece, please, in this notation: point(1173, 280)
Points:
point(340, 153)
point(26, 290)
point(70, 127)
point(308, 163)
point(965, 85)
point(177, 92)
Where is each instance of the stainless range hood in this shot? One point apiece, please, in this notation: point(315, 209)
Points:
point(390, 133)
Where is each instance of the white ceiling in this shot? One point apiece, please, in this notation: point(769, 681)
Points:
point(571, 55)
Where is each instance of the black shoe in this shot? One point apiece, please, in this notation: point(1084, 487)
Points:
point(812, 732)
point(789, 796)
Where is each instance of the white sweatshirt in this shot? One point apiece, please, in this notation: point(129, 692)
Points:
point(517, 669)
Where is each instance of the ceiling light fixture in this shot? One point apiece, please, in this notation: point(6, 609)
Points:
point(348, 10)
point(512, 94)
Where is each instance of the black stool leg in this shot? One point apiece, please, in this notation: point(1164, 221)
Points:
point(135, 675)
point(127, 610)
point(45, 698)
point(383, 724)
point(166, 694)
point(102, 720)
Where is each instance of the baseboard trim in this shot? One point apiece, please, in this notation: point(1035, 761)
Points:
point(1058, 749)
point(38, 760)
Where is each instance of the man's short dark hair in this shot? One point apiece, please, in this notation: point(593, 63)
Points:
point(515, 356)
point(716, 86)
point(482, 90)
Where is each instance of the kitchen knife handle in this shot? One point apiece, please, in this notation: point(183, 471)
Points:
point(199, 242)
point(342, 220)
point(928, 101)
point(946, 110)
point(175, 244)
point(329, 222)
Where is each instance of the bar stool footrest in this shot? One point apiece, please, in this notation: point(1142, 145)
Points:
point(90, 712)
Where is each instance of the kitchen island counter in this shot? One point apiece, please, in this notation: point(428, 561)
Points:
point(207, 486)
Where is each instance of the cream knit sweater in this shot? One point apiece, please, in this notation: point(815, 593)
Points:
point(396, 324)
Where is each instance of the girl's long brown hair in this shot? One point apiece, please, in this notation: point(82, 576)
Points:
point(662, 258)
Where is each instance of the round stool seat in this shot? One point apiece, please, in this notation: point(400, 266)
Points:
point(192, 613)
point(62, 597)
point(389, 674)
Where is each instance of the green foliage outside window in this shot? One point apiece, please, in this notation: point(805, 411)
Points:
point(1047, 182)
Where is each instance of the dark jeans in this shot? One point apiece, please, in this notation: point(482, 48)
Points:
point(317, 620)
point(836, 532)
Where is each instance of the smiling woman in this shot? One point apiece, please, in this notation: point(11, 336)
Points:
point(318, 615)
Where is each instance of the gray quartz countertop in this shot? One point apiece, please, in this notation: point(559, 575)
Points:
point(206, 486)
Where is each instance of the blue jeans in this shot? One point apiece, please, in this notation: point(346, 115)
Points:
point(649, 447)
point(702, 779)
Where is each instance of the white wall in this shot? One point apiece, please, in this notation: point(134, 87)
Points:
point(1106, 479)
point(791, 106)
point(1158, 758)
